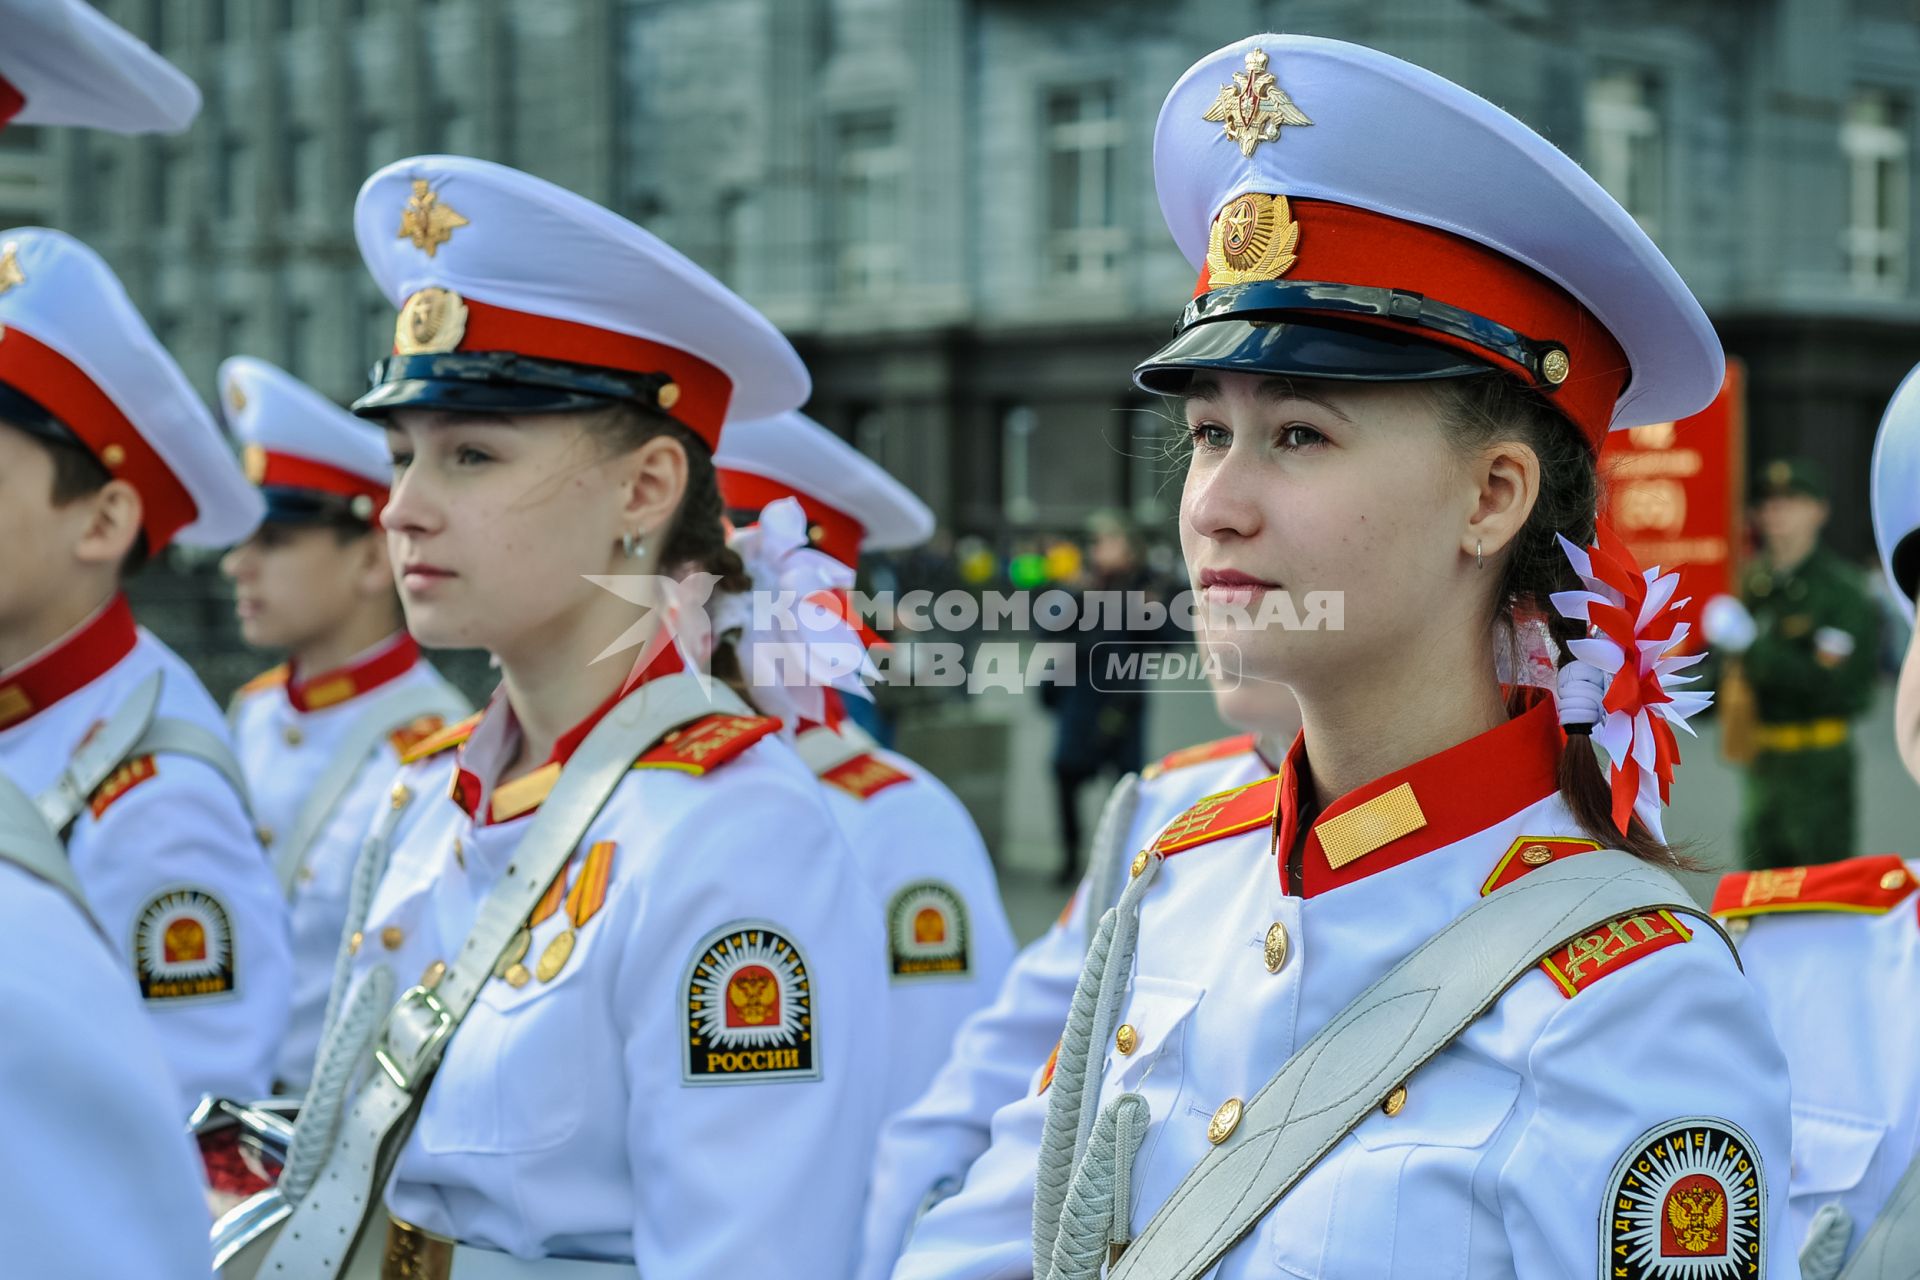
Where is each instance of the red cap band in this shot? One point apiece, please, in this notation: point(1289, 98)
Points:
point(839, 534)
point(1344, 245)
point(59, 387)
point(703, 391)
point(285, 471)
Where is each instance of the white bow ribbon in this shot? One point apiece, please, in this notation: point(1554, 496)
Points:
point(792, 643)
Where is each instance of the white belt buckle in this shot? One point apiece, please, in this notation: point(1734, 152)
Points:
point(405, 1072)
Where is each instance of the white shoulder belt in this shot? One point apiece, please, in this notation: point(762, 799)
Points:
point(329, 1233)
point(134, 730)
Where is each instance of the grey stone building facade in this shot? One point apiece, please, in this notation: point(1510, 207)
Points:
point(949, 203)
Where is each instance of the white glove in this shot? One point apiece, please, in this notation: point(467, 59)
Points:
point(1729, 627)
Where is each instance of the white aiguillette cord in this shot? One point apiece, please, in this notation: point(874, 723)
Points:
point(317, 1240)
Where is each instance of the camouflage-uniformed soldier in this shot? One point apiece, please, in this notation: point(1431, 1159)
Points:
point(1811, 668)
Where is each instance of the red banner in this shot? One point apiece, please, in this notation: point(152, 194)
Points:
point(1673, 491)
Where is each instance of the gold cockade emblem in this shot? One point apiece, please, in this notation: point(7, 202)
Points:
point(426, 221)
point(1252, 109)
point(10, 272)
point(433, 321)
point(1254, 238)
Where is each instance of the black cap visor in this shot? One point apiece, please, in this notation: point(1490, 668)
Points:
point(1906, 564)
point(1318, 329)
point(307, 507)
point(1301, 348)
point(500, 382)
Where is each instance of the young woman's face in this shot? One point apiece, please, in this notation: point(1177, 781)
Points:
point(1297, 488)
point(36, 536)
point(295, 583)
point(492, 522)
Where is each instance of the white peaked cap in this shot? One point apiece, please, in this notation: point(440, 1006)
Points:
point(72, 342)
point(1896, 490)
point(296, 439)
point(63, 63)
point(481, 258)
point(1427, 214)
point(791, 455)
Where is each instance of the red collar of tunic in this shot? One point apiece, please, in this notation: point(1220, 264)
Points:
point(380, 665)
point(1428, 805)
point(522, 795)
point(70, 664)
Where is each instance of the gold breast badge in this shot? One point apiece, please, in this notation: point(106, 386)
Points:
point(1252, 109)
point(426, 221)
point(1254, 238)
point(511, 967)
point(433, 321)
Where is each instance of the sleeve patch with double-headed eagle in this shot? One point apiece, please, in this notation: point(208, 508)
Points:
point(928, 933)
point(1864, 886)
point(183, 946)
point(749, 1004)
point(1592, 956)
point(1687, 1199)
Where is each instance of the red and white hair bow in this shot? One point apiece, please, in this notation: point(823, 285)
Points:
point(1621, 680)
point(794, 639)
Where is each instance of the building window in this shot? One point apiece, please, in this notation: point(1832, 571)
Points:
point(1084, 239)
point(380, 143)
point(306, 171)
point(1017, 425)
point(1626, 142)
point(238, 178)
point(104, 186)
point(1878, 145)
point(867, 203)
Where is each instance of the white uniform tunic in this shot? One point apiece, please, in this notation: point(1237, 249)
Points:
point(948, 940)
point(698, 1087)
point(996, 1052)
point(286, 732)
point(98, 1179)
point(166, 855)
point(1500, 1159)
point(1835, 952)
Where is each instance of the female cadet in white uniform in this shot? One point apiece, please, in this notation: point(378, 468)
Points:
point(320, 735)
point(97, 1175)
point(677, 1064)
point(1835, 952)
point(1415, 322)
point(948, 940)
